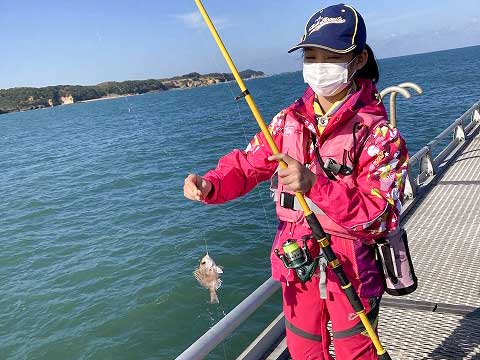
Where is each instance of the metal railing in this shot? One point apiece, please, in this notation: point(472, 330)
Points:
point(424, 167)
point(427, 168)
point(200, 348)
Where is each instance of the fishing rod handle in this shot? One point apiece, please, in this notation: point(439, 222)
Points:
point(384, 356)
point(347, 287)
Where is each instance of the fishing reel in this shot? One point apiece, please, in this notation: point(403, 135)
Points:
point(299, 258)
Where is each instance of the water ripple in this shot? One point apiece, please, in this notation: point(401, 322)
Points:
point(97, 242)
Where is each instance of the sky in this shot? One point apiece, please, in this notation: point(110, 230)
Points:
point(86, 42)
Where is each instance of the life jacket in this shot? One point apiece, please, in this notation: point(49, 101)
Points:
point(339, 145)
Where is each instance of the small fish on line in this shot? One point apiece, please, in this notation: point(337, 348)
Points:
point(207, 275)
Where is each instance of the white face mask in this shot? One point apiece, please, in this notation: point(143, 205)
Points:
point(326, 79)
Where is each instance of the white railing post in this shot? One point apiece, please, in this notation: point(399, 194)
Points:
point(410, 187)
point(426, 164)
point(459, 133)
point(476, 115)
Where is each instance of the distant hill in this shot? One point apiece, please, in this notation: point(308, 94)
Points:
point(29, 98)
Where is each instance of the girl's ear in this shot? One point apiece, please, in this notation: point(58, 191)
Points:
point(361, 59)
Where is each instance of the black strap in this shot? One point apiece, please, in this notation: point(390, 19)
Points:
point(361, 143)
point(320, 160)
point(331, 167)
point(287, 200)
point(388, 260)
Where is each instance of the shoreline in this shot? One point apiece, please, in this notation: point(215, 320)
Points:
point(103, 98)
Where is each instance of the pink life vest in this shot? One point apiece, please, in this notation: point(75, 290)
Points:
point(337, 146)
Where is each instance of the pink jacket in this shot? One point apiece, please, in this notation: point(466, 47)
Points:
point(365, 204)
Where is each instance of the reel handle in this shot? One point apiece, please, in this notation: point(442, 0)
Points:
point(283, 258)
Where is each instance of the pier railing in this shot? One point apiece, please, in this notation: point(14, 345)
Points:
point(424, 166)
point(423, 169)
point(200, 348)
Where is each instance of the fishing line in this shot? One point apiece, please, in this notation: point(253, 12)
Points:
point(269, 229)
point(212, 324)
point(242, 123)
point(130, 107)
point(205, 240)
point(224, 341)
point(219, 306)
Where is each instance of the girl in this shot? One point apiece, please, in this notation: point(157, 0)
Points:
point(350, 165)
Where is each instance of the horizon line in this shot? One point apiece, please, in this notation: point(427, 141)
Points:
point(265, 74)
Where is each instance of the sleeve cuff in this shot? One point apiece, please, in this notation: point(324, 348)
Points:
point(213, 194)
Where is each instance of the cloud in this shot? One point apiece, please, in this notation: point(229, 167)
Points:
point(194, 20)
point(191, 20)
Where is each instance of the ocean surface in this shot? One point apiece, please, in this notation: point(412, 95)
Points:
point(97, 242)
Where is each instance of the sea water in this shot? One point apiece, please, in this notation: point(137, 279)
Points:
point(97, 242)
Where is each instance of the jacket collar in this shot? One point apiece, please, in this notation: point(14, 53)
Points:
point(364, 100)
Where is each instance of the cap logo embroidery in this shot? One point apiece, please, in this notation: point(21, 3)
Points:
point(322, 21)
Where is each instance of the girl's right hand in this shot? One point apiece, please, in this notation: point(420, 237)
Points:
point(196, 187)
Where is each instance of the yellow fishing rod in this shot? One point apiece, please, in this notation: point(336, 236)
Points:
point(318, 232)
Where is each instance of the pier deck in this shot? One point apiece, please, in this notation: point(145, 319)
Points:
point(444, 238)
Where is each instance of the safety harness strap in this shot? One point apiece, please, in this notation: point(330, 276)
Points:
point(289, 201)
point(302, 333)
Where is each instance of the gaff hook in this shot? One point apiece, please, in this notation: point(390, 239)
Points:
point(394, 90)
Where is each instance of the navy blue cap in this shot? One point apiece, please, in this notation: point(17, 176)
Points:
point(338, 28)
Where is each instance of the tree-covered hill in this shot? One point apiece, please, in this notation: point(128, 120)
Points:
point(29, 98)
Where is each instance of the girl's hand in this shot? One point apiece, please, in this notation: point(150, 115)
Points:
point(196, 187)
point(296, 177)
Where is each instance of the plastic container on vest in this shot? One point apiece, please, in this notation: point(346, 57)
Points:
point(396, 263)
